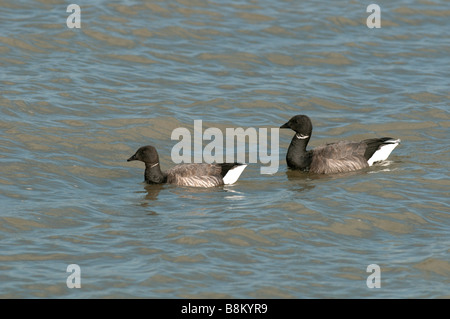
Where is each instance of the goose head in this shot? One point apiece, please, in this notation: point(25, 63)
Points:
point(301, 125)
point(146, 154)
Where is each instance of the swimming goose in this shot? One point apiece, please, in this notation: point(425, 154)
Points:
point(197, 175)
point(337, 157)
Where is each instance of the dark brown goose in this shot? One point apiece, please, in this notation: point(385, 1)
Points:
point(343, 156)
point(196, 175)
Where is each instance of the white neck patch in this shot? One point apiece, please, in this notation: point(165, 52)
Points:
point(301, 136)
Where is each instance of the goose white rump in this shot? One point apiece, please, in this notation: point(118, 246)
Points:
point(384, 151)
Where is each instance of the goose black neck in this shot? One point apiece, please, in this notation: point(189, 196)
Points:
point(153, 174)
point(297, 157)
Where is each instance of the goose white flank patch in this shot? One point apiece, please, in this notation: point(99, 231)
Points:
point(195, 175)
point(339, 157)
point(233, 174)
point(384, 151)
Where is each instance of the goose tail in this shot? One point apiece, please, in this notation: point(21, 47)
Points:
point(233, 174)
point(385, 148)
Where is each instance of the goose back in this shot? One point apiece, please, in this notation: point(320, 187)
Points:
point(197, 175)
point(343, 156)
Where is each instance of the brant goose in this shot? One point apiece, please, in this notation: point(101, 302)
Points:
point(197, 175)
point(337, 157)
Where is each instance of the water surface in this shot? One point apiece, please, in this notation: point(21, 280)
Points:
point(76, 103)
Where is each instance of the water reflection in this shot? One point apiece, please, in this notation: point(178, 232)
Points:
point(296, 175)
point(234, 194)
point(151, 193)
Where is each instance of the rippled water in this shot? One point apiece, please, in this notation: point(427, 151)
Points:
point(76, 103)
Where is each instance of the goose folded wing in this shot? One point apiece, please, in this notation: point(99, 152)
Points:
point(197, 175)
point(338, 157)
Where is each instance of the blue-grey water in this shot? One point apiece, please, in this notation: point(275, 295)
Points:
point(76, 103)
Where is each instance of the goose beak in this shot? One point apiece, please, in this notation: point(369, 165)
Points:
point(132, 158)
point(286, 125)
